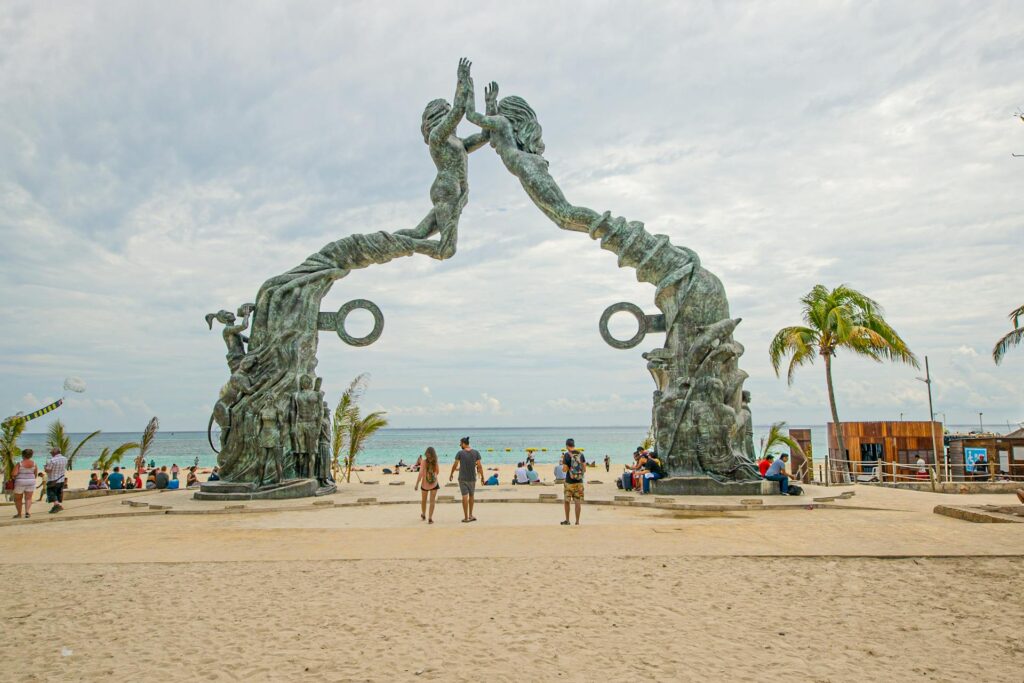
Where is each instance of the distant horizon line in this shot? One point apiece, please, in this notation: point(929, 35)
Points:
point(470, 429)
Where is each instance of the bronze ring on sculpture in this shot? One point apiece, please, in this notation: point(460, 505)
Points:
point(378, 322)
point(641, 323)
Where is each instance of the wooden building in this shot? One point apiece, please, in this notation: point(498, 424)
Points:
point(1003, 457)
point(803, 466)
point(889, 444)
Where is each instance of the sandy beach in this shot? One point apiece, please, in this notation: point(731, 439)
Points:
point(873, 587)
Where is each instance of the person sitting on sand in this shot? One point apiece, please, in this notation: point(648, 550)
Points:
point(116, 480)
point(162, 480)
point(522, 477)
point(215, 475)
point(426, 481)
point(764, 463)
point(94, 482)
point(559, 473)
point(532, 476)
point(138, 479)
point(192, 479)
point(151, 479)
point(492, 480)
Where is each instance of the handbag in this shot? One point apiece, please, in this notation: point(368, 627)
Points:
point(9, 485)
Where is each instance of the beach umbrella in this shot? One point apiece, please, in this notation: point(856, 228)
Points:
point(508, 450)
point(490, 450)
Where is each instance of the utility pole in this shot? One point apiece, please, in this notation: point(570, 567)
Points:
point(981, 425)
point(927, 379)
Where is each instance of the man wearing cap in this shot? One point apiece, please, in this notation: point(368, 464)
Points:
point(575, 466)
point(467, 462)
point(777, 472)
point(56, 471)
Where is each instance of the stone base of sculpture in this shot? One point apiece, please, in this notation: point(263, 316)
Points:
point(231, 491)
point(706, 486)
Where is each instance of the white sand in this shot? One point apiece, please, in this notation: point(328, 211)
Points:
point(371, 593)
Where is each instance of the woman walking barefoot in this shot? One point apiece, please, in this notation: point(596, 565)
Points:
point(426, 482)
point(24, 475)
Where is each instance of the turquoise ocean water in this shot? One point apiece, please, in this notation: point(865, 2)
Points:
point(387, 446)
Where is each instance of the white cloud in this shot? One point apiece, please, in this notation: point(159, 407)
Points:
point(147, 183)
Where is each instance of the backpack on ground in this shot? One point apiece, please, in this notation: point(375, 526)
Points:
point(795, 490)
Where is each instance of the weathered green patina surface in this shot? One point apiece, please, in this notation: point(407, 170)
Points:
point(269, 409)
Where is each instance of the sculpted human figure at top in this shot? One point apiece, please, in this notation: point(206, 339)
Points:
point(450, 153)
point(516, 136)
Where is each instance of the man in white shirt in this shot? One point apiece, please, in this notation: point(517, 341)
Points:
point(56, 468)
point(521, 475)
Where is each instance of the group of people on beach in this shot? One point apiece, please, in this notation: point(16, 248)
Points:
point(469, 466)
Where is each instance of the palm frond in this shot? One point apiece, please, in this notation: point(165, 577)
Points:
point(109, 459)
point(71, 458)
point(1016, 315)
point(800, 342)
point(359, 431)
point(57, 437)
point(777, 437)
point(346, 413)
point(148, 437)
point(9, 451)
point(1010, 340)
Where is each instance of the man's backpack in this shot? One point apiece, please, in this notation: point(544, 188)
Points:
point(575, 466)
point(795, 490)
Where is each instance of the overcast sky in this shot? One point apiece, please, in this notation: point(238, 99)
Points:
point(159, 161)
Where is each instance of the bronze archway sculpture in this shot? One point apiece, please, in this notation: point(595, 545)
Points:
point(271, 410)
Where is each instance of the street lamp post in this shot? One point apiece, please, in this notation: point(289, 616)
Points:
point(927, 379)
point(981, 425)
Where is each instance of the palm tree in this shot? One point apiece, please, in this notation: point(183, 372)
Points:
point(345, 414)
point(9, 451)
point(57, 437)
point(146, 442)
point(108, 458)
point(359, 431)
point(842, 318)
point(776, 437)
point(1013, 338)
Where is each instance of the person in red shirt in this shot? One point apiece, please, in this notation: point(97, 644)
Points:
point(764, 464)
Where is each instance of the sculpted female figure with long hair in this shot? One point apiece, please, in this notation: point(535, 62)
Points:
point(516, 136)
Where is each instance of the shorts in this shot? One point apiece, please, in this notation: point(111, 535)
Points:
point(23, 488)
point(55, 491)
point(467, 487)
point(574, 492)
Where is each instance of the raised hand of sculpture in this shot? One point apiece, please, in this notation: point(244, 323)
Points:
point(516, 136)
point(450, 190)
point(232, 333)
